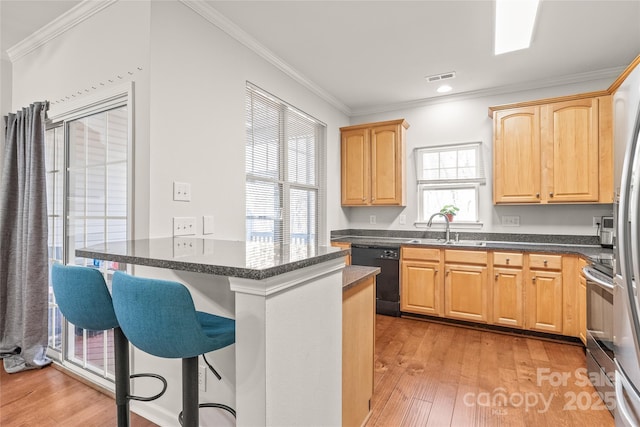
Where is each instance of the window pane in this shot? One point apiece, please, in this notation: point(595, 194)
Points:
point(117, 189)
point(303, 216)
point(263, 211)
point(464, 198)
point(448, 159)
point(117, 142)
point(301, 149)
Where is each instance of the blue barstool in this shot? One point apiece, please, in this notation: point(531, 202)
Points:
point(159, 317)
point(84, 300)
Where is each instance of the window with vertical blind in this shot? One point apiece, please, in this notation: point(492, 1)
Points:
point(285, 182)
point(449, 175)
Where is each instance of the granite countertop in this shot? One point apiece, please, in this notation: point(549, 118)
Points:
point(354, 274)
point(249, 260)
point(577, 246)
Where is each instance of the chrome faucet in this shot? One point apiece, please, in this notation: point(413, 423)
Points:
point(447, 237)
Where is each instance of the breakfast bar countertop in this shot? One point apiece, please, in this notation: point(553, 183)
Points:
point(248, 260)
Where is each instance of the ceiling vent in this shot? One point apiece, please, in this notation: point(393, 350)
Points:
point(440, 77)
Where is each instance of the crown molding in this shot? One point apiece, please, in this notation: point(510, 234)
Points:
point(209, 13)
point(58, 26)
point(608, 73)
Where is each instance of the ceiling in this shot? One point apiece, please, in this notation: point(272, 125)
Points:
point(372, 54)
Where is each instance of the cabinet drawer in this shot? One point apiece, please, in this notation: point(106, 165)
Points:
point(426, 254)
point(465, 257)
point(546, 262)
point(507, 259)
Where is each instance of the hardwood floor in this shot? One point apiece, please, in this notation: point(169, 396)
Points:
point(48, 397)
point(431, 374)
point(426, 374)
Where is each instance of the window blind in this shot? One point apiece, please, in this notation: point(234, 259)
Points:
point(284, 171)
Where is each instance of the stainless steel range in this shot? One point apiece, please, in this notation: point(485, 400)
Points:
point(600, 361)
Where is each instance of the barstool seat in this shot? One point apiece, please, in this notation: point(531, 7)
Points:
point(84, 300)
point(159, 318)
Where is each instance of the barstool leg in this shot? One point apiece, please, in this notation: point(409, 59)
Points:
point(190, 392)
point(121, 350)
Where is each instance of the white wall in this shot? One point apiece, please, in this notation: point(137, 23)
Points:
point(198, 80)
point(467, 120)
point(100, 52)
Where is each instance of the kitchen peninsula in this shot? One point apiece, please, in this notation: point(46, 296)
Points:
point(288, 311)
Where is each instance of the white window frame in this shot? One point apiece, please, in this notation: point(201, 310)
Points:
point(285, 186)
point(59, 115)
point(424, 184)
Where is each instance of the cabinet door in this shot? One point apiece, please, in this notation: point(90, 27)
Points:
point(582, 309)
point(516, 164)
point(358, 341)
point(544, 301)
point(508, 305)
point(387, 165)
point(570, 151)
point(421, 289)
point(466, 292)
point(355, 161)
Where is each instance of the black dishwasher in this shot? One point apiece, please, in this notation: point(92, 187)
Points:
point(388, 281)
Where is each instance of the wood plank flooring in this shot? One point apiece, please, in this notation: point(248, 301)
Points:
point(426, 374)
point(432, 374)
point(48, 397)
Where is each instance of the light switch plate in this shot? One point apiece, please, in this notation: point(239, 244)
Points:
point(402, 219)
point(372, 219)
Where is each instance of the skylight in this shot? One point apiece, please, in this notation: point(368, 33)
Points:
point(515, 20)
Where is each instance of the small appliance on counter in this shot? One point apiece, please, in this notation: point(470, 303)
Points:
point(607, 232)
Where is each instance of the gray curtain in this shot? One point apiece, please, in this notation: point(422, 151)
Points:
point(24, 270)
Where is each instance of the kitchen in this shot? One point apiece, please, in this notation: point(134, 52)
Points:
point(178, 85)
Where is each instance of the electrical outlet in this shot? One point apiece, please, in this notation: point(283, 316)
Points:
point(372, 219)
point(402, 219)
point(182, 191)
point(202, 378)
point(184, 226)
point(511, 220)
point(596, 221)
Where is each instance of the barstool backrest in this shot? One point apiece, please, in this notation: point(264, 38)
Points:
point(159, 317)
point(83, 297)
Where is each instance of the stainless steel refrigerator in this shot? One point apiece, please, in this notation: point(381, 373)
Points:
point(626, 298)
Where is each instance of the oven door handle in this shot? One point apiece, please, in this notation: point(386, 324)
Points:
point(590, 277)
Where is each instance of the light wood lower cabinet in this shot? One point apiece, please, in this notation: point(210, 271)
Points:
point(343, 245)
point(544, 301)
point(421, 275)
point(358, 340)
point(508, 307)
point(539, 292)
point(465, 286)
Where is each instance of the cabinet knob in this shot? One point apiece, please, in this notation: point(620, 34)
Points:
point(364, 199)
point(537, 195)
point(545, 262)
point(533, 279)
point(435, 271)
point(447, 272)
point(551, 194)
point(497, 275)
point(507, 260)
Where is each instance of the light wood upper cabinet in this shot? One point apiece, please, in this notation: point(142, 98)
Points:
point(373, 165)
point(517, 156)
point(554, 153)
point(570, 155)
